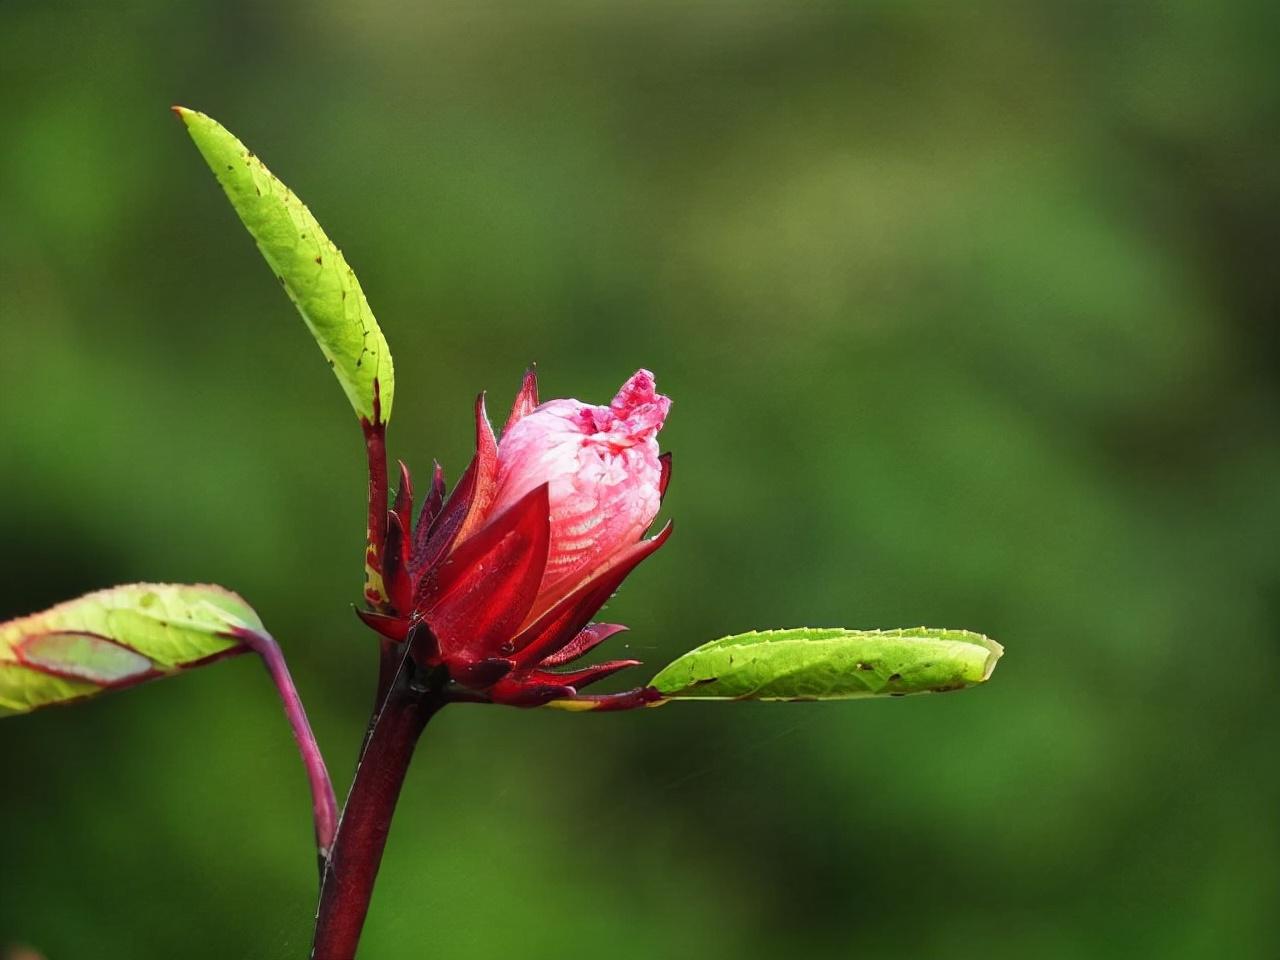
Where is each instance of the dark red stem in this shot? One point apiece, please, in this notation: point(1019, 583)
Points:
point(375, 445)
point(347, 886)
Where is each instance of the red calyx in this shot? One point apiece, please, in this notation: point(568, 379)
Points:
point(472, 581)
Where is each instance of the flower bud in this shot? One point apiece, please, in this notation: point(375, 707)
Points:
point(603, 474)
point(537, 534)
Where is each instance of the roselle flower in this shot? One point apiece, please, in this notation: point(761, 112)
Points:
point(488, 596)
point(498, 582)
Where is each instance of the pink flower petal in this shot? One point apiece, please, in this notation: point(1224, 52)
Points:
point(604, 473)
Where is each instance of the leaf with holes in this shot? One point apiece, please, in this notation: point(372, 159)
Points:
point(116, 638)
point(313, 270)
point(830, 664)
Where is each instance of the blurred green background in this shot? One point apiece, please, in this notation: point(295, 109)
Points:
point(969, 319)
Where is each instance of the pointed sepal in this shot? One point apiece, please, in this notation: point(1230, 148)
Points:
point(587, 639)
point(393, 628)
point(478, 596)
point(665, 477)
point(526, 400)
point(431, 507)
point(486, 474)
point(469, 503)
point(584, 676)
point(403, 504)
point(514, 693)
point(555, 628)
point(395, 567)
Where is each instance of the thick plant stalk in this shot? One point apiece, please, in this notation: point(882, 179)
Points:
point(347, 885)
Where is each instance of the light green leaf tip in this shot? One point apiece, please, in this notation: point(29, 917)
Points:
point(115, 638)
point(830, 664)
point(312, 269)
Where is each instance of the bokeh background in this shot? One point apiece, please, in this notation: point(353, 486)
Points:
point(968, 312)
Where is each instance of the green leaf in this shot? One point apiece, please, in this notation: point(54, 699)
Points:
point(115, 638)
point(830, 664)
point(314, 273)
point(125, 635)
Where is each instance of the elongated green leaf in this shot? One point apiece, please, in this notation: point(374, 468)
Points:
point(314, 273)
point(115, 638)
point(830, 664)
